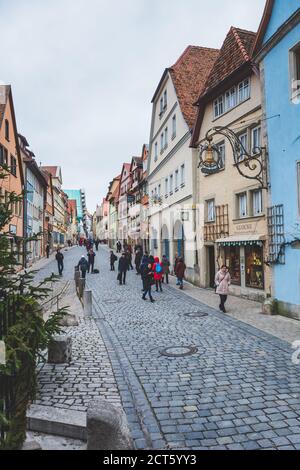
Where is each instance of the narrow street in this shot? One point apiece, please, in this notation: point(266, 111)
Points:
point(189, 376)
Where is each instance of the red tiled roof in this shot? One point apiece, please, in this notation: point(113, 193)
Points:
point(235, 51)
point(189, 75)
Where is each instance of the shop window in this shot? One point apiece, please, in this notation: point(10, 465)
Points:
point(254, 267)
point(233, 262)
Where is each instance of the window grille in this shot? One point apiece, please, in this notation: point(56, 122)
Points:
point(276, 235)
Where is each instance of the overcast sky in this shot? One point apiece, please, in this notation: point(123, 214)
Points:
point(83, 73)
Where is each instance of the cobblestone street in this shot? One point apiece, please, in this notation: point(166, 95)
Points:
point(188, 376)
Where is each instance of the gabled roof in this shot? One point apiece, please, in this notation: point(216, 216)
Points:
point(138, 161)
point(126, 166)
point(235, 58)
point(235, 52)
point(263, 26)
point(189, 74)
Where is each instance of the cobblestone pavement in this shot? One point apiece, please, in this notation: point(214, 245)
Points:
point(238, 388)
point(90, 374)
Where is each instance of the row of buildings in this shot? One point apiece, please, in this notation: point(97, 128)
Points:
point(219, 181)
point(47, 213)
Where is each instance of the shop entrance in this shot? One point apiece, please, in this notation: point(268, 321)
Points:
point(211, 265)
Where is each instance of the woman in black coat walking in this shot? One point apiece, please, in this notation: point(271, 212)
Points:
point(147, 276)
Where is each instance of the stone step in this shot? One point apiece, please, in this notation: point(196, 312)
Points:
point(57, 421)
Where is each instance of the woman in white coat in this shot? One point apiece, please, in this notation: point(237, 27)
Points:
point(223, 281)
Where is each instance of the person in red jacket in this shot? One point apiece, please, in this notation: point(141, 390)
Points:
point(157, 273)
point(180, 271)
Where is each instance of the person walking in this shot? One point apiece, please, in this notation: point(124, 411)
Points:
point(176, 260)
point(60, 261)
point(97, 244)
point(180, 271)
point(91, 260)
point(144, 264)
point(129, 257)
point(119, 246)
point(83, 265)
point(166, 269)
point(157, 274)
point(222, 282)
point(122, 269)
point(147, 276)
point(47, 250)
point(113, 259)
point(137, 261)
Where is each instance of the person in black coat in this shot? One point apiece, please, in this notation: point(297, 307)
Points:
point(60, 261)
point(113, 259)
point(123, 268)
point(91, 260)
point(137, 260)
point(147, 277)
point(83, 265)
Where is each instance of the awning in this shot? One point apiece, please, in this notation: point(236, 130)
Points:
point(242, 240)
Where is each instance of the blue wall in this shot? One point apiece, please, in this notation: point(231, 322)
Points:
point(282, 11)
point(284, 146)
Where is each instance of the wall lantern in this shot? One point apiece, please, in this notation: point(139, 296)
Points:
point(249, 165)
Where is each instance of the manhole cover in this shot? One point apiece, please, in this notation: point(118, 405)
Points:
point(179, 351)
point(196, 315)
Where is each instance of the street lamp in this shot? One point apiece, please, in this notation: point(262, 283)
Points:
point(249, 165)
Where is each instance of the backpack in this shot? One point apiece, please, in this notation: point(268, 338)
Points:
point(158, 268)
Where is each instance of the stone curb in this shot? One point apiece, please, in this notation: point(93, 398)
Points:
point(57, 421)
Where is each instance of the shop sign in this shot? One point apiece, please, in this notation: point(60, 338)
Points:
point(244, 228)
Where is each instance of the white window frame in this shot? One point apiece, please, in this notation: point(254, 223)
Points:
point(294, 59)
point(161, 106)
point(242, 137)
point(176, 179)
point(162, 143)
point(182, 175)
point(254, 144)
point(232, 98)
point(174, 126)
point(211, 210)
point(166, 138)
point(165, 100)
point(171, 184)
point(156, 151)
point(257, 208)
point(242, 213)
point(166, 187)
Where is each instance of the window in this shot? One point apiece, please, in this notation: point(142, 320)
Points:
point(174, 126)
point(166, 138)
point(244, 141)
point(242, 205)
point(254, 267)
point(171, 184)
point(161, 143)
point(13, 165)
point(219, 107)
point(165, 100)
point(159, 190)
point(6, 129)
point(231, 98)
point(257, 202)
point(221, 148)
point(156, 152)
point(233, 261)
point(244, 90)
point(295, 72)
point(176, 180)
point(182, 175)
point(211, 210)
point(256, 139)
point(161, 106)
point(166, 187)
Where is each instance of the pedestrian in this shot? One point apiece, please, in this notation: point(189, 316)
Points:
point(83, 265)
point(137, 261)
point(122, 269)
point(119, 246)
point(157, 274)
point(222, 283)
point(60, 261)
point(144, 264)
point(147, 276)
point(166, 269)
point(97, 244)
point(91, 260)
point(151, 259)
point(180, 271)
point(47, 250)
point(175, 264)
point(113, 259)
point(129, 257)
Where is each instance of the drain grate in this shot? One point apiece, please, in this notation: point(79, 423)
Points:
point(196, 315)
point(178, 351)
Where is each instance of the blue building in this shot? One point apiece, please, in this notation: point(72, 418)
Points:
point(277, 51)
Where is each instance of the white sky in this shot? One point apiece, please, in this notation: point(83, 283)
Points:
point(83, 73)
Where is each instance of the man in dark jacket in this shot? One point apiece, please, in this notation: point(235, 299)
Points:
point(47, 250)
point(137, 260)
point(91, 260)
point(113, 259)
point(123, 268)
point(60, 261)
point(147, 276)
point(83, 265)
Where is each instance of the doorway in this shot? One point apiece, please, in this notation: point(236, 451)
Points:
point(211, 266)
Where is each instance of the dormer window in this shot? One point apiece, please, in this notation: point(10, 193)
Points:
point(232, 98)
